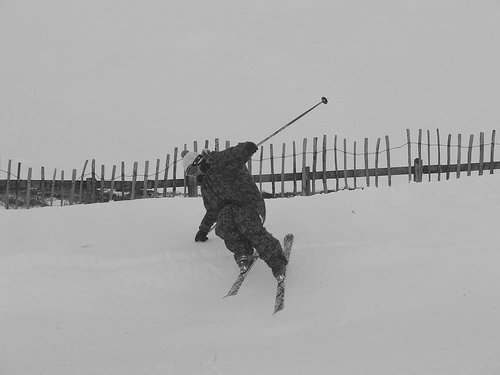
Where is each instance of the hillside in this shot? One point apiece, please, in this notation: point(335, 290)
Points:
point(400, 280)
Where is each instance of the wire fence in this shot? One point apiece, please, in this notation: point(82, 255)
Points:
point(339, 163)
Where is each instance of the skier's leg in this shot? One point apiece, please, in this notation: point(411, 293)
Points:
point(241, 248)
point(269, 248)
point(239, 245)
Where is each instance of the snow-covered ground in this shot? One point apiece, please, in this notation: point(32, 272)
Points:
point(401, 280)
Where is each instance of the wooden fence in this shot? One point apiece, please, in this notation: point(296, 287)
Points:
point(339, 169)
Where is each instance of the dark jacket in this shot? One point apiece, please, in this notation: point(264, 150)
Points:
point(228, 182)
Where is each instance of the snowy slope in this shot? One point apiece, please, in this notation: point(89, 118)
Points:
point(400, 280)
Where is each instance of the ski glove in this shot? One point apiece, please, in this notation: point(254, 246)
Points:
point(251, 148)
point(201, 236)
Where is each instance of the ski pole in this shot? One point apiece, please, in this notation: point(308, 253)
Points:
point(323, 100)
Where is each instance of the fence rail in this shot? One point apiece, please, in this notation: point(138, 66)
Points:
point(303, 175)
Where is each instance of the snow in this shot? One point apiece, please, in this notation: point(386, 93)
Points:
point(400, 280)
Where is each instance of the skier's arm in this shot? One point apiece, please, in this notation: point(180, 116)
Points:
point(236, 156)
point(206, 223)
point(208, 220)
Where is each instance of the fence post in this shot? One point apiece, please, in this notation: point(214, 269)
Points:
point(419, 144)
point(439, 154)
point(17, 183)
point(481, 153)
point(377, 153)
point(325, 184)
point(492, 150)
point(459, 155)
point(53, 187)
point(62, 187)
point(408, 139)
point(81, 181)
point(157, 171)
point(42, 185)
point(93, 186)
point(146, 176)
point(417, 170)
point(260, 167)
point(72, 191)
point(122, 177)
point(448, 157)
point(192, 188)
point(112, 187)
point(355, 167)
point(304, 161)
point(185, 180)
point(102, 183)
point(283, 170)
point(7, 189)
point(367, 172)
point(176, 150)
point(315, 162)
point(335, 161)
point(87, 190)
point(294, 169)
point(429, 154)
point(28, 189)
point(346, 186)
point(134, 180)
point(165, 177)
point(469, 155)
point(388, 151)
point(273, 185)
point(307, 181)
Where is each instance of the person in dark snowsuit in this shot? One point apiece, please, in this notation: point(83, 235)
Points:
point(233, 201)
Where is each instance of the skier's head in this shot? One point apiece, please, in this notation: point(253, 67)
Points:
point(188, 158)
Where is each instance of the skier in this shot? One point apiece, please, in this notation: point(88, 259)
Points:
point(232, 199)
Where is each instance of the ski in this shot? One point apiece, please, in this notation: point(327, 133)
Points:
point(279, 303)
point(239, 280)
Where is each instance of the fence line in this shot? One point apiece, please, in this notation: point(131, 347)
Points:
point(293, 155)
point(91, 187)
point(283, 157)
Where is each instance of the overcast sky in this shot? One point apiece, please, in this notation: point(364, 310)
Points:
point(129, 80)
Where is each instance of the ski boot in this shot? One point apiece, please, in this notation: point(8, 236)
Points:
point(279, 273)
point(244, 262)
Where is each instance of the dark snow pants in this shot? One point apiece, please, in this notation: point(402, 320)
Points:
point(242, 230)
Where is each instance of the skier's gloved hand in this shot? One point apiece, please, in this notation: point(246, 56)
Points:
point(201, 236)
point(250, 148)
